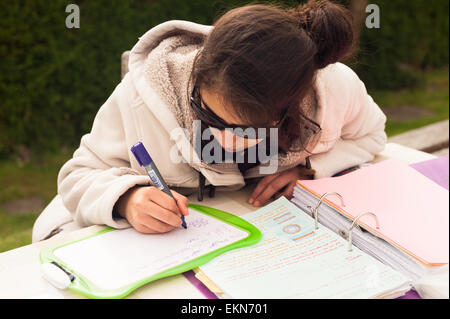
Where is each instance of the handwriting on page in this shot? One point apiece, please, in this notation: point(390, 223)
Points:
point(120, 257)
point(295, 261)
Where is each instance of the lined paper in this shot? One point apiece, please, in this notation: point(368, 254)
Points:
point(290, 262)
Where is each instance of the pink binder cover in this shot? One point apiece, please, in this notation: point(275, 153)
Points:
point(412, 210)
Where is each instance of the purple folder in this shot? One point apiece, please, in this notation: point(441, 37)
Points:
point(436, 169)
point(190, 275)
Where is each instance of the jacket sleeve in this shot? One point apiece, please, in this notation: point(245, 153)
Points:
point(100, 172)
point(362, 134)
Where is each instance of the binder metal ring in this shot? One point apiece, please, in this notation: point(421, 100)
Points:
point(353, 225)
point(315, 211)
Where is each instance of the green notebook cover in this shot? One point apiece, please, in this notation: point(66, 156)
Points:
point(85, 287)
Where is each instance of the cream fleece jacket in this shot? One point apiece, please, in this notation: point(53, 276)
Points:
point(143, 107)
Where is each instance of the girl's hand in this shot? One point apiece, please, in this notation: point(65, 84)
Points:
point(279, 184)
point(149, 210)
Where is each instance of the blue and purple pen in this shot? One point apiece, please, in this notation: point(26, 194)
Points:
point(145, 160)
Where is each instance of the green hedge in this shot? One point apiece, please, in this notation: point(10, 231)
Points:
point(413, 35)
point(54, 79)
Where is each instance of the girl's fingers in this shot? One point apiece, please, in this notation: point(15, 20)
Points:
point(278, 183)
point(153, 224)
point(261, 187)
point(303, 171)
point(163, 215)
point(144, 229)
point(287, 192)
point(182, 202)
point(162, 199)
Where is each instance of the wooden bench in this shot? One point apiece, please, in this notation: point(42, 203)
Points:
point(431, 138)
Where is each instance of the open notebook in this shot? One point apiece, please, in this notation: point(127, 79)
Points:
point(295, 260)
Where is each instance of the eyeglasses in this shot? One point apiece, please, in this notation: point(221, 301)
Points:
point(211, 119)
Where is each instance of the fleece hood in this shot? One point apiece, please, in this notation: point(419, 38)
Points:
point(162, 60)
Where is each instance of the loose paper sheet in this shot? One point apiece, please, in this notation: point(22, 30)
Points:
point(120, 257)
point(294, 261)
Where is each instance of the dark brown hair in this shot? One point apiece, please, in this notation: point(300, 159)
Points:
point(263, 58)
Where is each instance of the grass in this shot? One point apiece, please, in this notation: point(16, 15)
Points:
point(35, 178)
point(15, 230)
point(38, 176)
point(432, 95)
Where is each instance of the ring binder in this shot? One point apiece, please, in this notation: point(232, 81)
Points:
point(400, 196)
point(315, 211)
point(353, 225)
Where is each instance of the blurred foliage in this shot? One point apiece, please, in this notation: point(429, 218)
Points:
point(54, 79)
point(413, 35)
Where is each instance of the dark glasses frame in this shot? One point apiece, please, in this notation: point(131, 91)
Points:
point(211, 119)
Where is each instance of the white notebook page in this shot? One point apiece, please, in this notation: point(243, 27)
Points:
point(120, 257)
point(293, 261)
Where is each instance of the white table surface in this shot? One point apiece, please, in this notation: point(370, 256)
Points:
point(20, 268)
